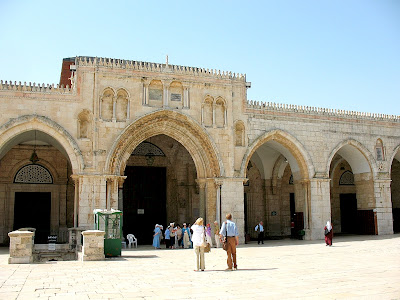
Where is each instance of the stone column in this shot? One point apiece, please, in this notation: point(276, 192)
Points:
point(383, 210)
point(202, 197)
point(218, 204)
point(213, 115)
point(75, 178)
point(166, 84)
point(93, 245)
point(233, 202)
point(319, 207)
point(92, 195)
point(20, 247)
point(145, 96)
point(186, 103)
point(114, 117)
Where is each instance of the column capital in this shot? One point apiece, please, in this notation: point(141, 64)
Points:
point(146, 81)
point(201, 182)
point(166, 82)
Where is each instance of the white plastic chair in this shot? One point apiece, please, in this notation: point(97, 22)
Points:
point(132, 240)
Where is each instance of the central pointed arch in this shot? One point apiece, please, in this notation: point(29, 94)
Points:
point(175, 125)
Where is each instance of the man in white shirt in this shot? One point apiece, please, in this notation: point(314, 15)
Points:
point(260, 229)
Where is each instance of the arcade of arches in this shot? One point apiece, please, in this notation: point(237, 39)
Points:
point(169, 143)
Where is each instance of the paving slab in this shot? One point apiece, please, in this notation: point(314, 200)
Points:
point(355, 267)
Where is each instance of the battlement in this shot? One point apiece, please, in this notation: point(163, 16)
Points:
point(157, 67)
point(49, 88)
point(265, 107)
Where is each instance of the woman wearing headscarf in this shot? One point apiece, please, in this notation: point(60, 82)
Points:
point(208, 235)
point(156, 237)
point(198, 239)
point(328, 233)
point(186, 236)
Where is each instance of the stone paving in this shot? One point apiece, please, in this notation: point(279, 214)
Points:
point(355, 267)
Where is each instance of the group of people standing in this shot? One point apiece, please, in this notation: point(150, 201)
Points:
point(198, 236)
point(176, 236)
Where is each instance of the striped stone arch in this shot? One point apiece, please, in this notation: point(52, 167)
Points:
point(180, 127)
point(361, 154)
point(296, 149)
point(17, 126)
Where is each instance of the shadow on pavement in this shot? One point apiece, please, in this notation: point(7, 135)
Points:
point(269, 269)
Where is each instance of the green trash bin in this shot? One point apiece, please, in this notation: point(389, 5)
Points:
point(110, 221)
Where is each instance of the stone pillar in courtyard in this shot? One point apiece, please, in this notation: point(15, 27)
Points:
point(92, 195)
point(21, 247)
point(383, 210)
point(232, 201)
point(319, 209)
point(93, 245)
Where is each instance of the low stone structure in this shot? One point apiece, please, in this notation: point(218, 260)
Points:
point(93, 245)
point(20, 247)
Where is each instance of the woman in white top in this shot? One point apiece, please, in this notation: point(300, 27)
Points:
point(197, 239)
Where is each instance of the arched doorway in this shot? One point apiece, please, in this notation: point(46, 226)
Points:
point(277, 168)
point(352, 190)
point(160, 187)
point(187, 160)
point(395, 190)
point(39, 192)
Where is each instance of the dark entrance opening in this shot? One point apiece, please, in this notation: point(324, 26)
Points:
point(348, 213)
point(145, 195)
point(33, 210)
point(396, 220)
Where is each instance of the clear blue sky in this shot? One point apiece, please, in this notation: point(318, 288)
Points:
point(333, 54)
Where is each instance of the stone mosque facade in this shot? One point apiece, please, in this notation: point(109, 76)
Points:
point(167, 143)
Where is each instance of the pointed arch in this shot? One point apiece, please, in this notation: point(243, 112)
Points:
point(175, 125)
point(295, 152)
point(358, 156)
point(61, 138)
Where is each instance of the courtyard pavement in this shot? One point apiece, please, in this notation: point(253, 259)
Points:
point(355, 267)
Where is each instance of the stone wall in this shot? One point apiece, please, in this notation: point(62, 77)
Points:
point(103, 113)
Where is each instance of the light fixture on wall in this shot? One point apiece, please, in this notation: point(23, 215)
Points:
point(34, 157)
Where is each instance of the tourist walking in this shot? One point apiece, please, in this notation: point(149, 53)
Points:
point(230, 234)
point(208, 235)
point(328, 233)
point(198, 240)
point(216, 235)
point(156, 237)
point(260, 230)
point(186, 236)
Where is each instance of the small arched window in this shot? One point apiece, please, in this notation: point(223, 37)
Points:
point(208, 112)
point(107, 103)
point(121, 110)
point(33, 174)
point(220, 112)
point(84, 122)
point(380, 153)
point(347, 178)
point(239, 134)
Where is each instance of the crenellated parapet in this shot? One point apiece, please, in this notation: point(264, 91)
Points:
point(157, 67)
point(268, 107)
point(35, 88)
